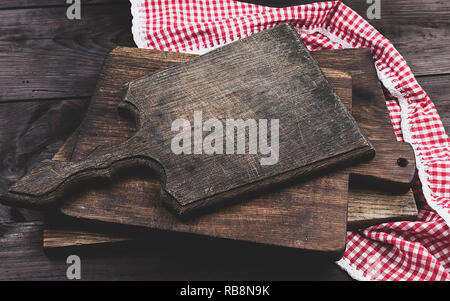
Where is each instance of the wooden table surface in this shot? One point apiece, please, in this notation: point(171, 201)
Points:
point(48, 70)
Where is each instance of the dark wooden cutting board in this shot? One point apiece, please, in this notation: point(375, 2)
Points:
point(266, 81)
point(123, 201)
point(310, 217)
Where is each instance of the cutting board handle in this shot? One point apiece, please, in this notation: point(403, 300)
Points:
point(45, 184)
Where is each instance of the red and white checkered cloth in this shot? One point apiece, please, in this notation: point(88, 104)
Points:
point(418, 250)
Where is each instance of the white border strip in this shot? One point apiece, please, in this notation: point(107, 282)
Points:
point(138, 29)
point(136, 25)
point(345, 264)
point(420, 164)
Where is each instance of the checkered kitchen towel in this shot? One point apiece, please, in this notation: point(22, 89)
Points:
point(418, 250)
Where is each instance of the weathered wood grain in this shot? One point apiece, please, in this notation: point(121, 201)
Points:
point(14, 4)
point(46, 56)
point(108, 203)
point(285, 84)
point(66, 67)
point(367, 207)
point(373, 211)
point(417, 16)
point(420, 31)
point(23, 258)
point(368, 101)
point(367, 74)
point(52, 23)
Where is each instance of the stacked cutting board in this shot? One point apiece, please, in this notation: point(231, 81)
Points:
point(326, 176)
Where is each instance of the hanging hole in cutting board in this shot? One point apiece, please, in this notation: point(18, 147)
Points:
point(402, 162)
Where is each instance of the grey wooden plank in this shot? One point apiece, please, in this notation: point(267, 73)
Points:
point(50, 69)
point(12, 214)
point(9, 4)
point(67, 64)
point(99, 22)
point(21, 257)
point(49, 56)
point(158, 258)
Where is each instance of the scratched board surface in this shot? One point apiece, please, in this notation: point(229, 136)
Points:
point(269, 76)
point(124, 201)
point(311, 216)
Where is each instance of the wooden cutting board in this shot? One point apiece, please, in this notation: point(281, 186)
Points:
point(123, 201)
point(311, 216)
point(241, 118)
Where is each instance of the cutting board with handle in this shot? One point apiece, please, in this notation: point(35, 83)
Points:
point(311, 216)
point(125, 200)
point(267, 116)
